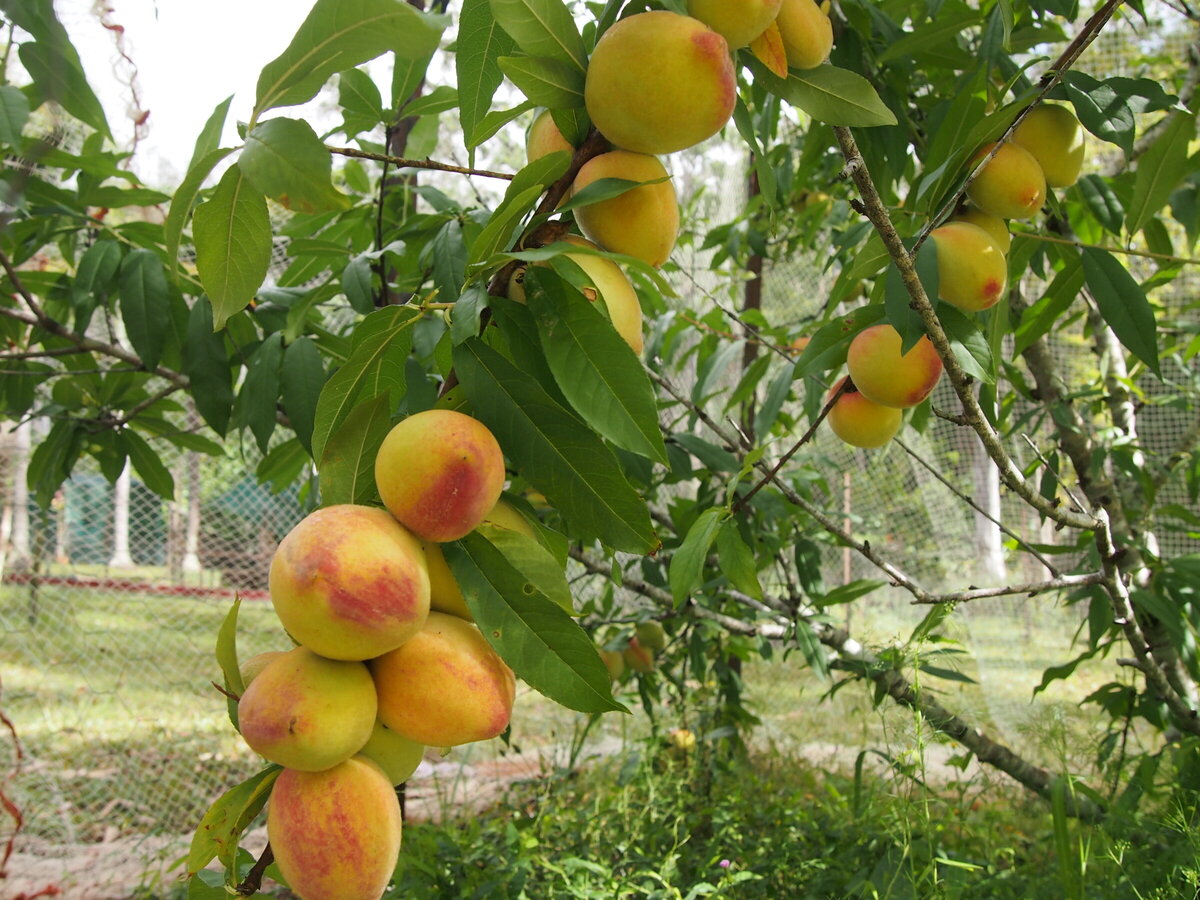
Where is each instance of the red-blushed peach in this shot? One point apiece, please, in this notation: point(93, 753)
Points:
point(1011, 185)
point(335, 834)
point(1056, 140)
point(643, 222)
point(638, 657)
point(444, 592)
point(614, 661)
point(350, 582)
point(439, 472)
point(659, 82)
point(395, 754)
point(806, 31)
point(860, 422)
point(446, 686)
point(972, 271)
point(250, 668)
point(993, 225)
point(738, 21)
point(883, 375)
point(544, 138)
point(307, 712)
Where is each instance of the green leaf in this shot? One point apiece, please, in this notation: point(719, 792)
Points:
point(969, 343)
point(687, 563)
point(542, 28)
point(286, 160)
point(532, 560)
point(347, 466)
point(360, 100)
point(1102, 202)
point(1101, 109)
point(303, 376)
point(1123, 304)
point(382, 341)
point(520, 197)
point(227, 661)
point(220, 830)
point(737, 560)
point(547, 82)
point(207, 367)
point(481, 42)
point(282, 465)
point(1160, 170)
point(827, 349)
point(341, 34)
point(944, 29)
point(232, 233)
point(94, 280)
point(358, 285)
point(492, 122)
point(596, 370)
point(14, 112)
point(849, 592)
point(182, 201)
point(1060, 294)
point(255, 404)
point(148, 464)
point(543, 645)
point(555, 452)
point(58, 75)
point(209, 139)
point(829, 94)
point(52, 460)
point(604, 189)
point(897, 302)
point(144, 304)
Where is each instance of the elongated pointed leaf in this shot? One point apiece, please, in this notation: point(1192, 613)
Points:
point(341, 34)
point(144, 304)
point(543, 645)
point(303, 377)
point(596, 370)
point(1123, 304)
point(542, 28)
point(207, 366)
point(285, 160)
point(970, 345)
point(255, 404)
point(829, 94)
point(182, 201)
point(232, 233)
point(14, 112)
point(1160, 170)
point(529, 557)
point(547, 82)
point(347, 468)
point(687, 564)
point(555, 451)
point(148, 464)
point(222, 826)
point(481, 42)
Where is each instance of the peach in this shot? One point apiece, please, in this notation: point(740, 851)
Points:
point(885, 376)
point(444, 592)
point(807, 33)
point(396, 755)
point(614, 662)
point(446, 686)
point(1011, 185)
point(307, 712)
point(544, 138)
point(252, 667)
point(861, 422)
point(738, 21)
point(651, 635)
point(659, 82)
point(972, 271)
point(1053, 135)
point(611, 287)
point(993, 225)
point(637, 656)
point(335, 834)
point(439, 472)
point(349, 582)
point(643, 222)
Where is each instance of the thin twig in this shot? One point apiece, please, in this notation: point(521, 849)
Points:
point(402, 163)
point(1045, 462)
point(1062, 582)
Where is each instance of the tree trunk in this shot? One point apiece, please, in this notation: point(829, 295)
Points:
point(120, 557)
point(989, 545)
point(19, 558)
point(191, 550)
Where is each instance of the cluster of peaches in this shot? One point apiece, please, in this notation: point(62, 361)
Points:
point(1046, 150)
point(688, 61)
point(388, 660)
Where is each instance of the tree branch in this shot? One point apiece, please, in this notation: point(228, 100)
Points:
point(1032, 588)
point(401, 163)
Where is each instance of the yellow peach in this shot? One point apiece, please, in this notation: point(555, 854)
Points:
point(637, 656)
point(614, 662)
point(335, 834)
point(252, 667)
point(883, 375)
point(446, 686)
point(972, 272)
point(643, 222)
point(860, 422)
point(993, 225)
point(439, 472)
point(307, 712)
point(1053, 135)
point(349, 582)
point(1011, 185)
point(807, 33)
point(659, 82)
point(738, 21)
point(544, 138)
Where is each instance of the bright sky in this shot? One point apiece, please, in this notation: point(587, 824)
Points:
point(189, 56)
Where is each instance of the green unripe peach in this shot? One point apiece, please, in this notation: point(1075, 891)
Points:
point(612, 288)
point(439, 472)
point(861, 422)
point(252, 667)
point(544, 138)
point(972, 272)
point(1011, 185)
point(1053, 135)
point(307, 712)
point(349, 582)
point(643, 222)
point(445, 686)
point(396, 755)
point(659, 82)
point(883, 375)
point(335, 834)
point(651, 635)
point(738, 21)
point(807, 33)
point(993, 225)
